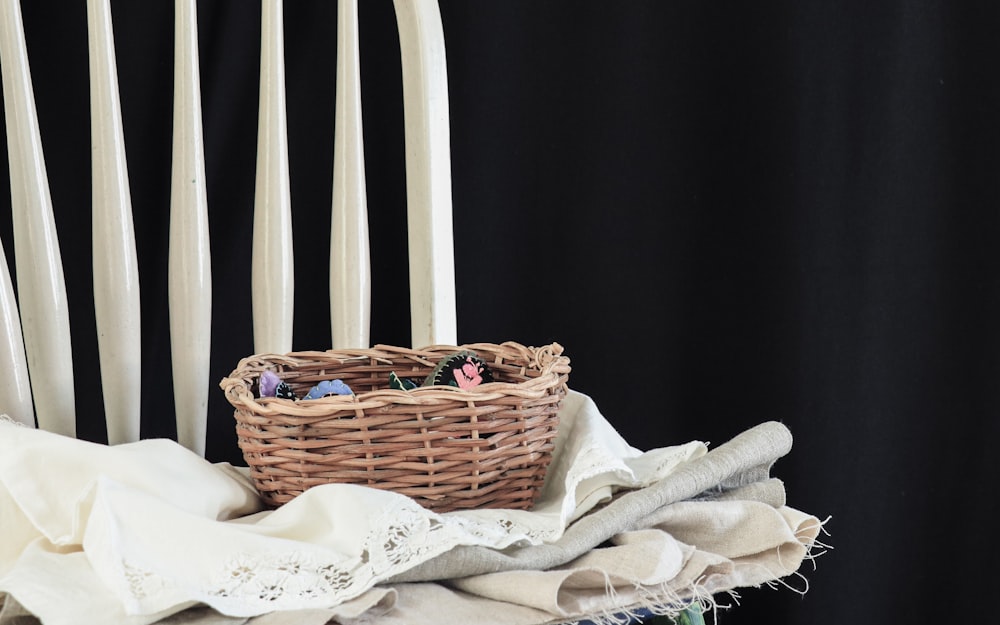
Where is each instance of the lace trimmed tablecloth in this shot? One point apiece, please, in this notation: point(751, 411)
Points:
point(150, 532)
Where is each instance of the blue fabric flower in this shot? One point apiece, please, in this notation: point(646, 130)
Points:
point(329, 387)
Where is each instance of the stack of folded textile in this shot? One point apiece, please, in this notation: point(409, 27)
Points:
point(150, 533)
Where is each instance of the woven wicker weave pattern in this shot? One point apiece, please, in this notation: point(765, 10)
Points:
point(447, 448)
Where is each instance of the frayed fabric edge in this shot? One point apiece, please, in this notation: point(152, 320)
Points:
point(665, 601)
point(661, 602)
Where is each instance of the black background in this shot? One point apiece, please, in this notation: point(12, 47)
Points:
point(726, 212)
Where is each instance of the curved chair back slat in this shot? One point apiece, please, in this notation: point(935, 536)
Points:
point(428, 172)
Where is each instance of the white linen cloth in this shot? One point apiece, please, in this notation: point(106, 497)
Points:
point(148, 531)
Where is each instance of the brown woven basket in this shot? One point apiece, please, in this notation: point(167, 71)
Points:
point(449, 449)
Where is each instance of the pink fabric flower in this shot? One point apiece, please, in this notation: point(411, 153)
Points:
point(469, 375)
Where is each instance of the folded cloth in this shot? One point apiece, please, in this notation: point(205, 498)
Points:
point(742, 461)
point(148, 531)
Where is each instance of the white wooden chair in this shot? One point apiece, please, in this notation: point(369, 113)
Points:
point(35, 342)
point(35, 345)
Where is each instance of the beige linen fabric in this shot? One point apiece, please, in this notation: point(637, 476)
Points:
point(148, 532)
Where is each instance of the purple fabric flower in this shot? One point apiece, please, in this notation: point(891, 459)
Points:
point(269, 381)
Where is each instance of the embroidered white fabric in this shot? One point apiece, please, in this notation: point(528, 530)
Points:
point(161, 529)
point(9, 420)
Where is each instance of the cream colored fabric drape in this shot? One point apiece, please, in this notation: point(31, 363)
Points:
point(148, 531)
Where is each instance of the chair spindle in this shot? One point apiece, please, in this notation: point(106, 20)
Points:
point(189, 264)
point(44, 311)
point(116, 270)
point(428, 173)
point(350, 263)
point(271, 266)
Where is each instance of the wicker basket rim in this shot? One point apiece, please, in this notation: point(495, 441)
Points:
point(548, 360)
